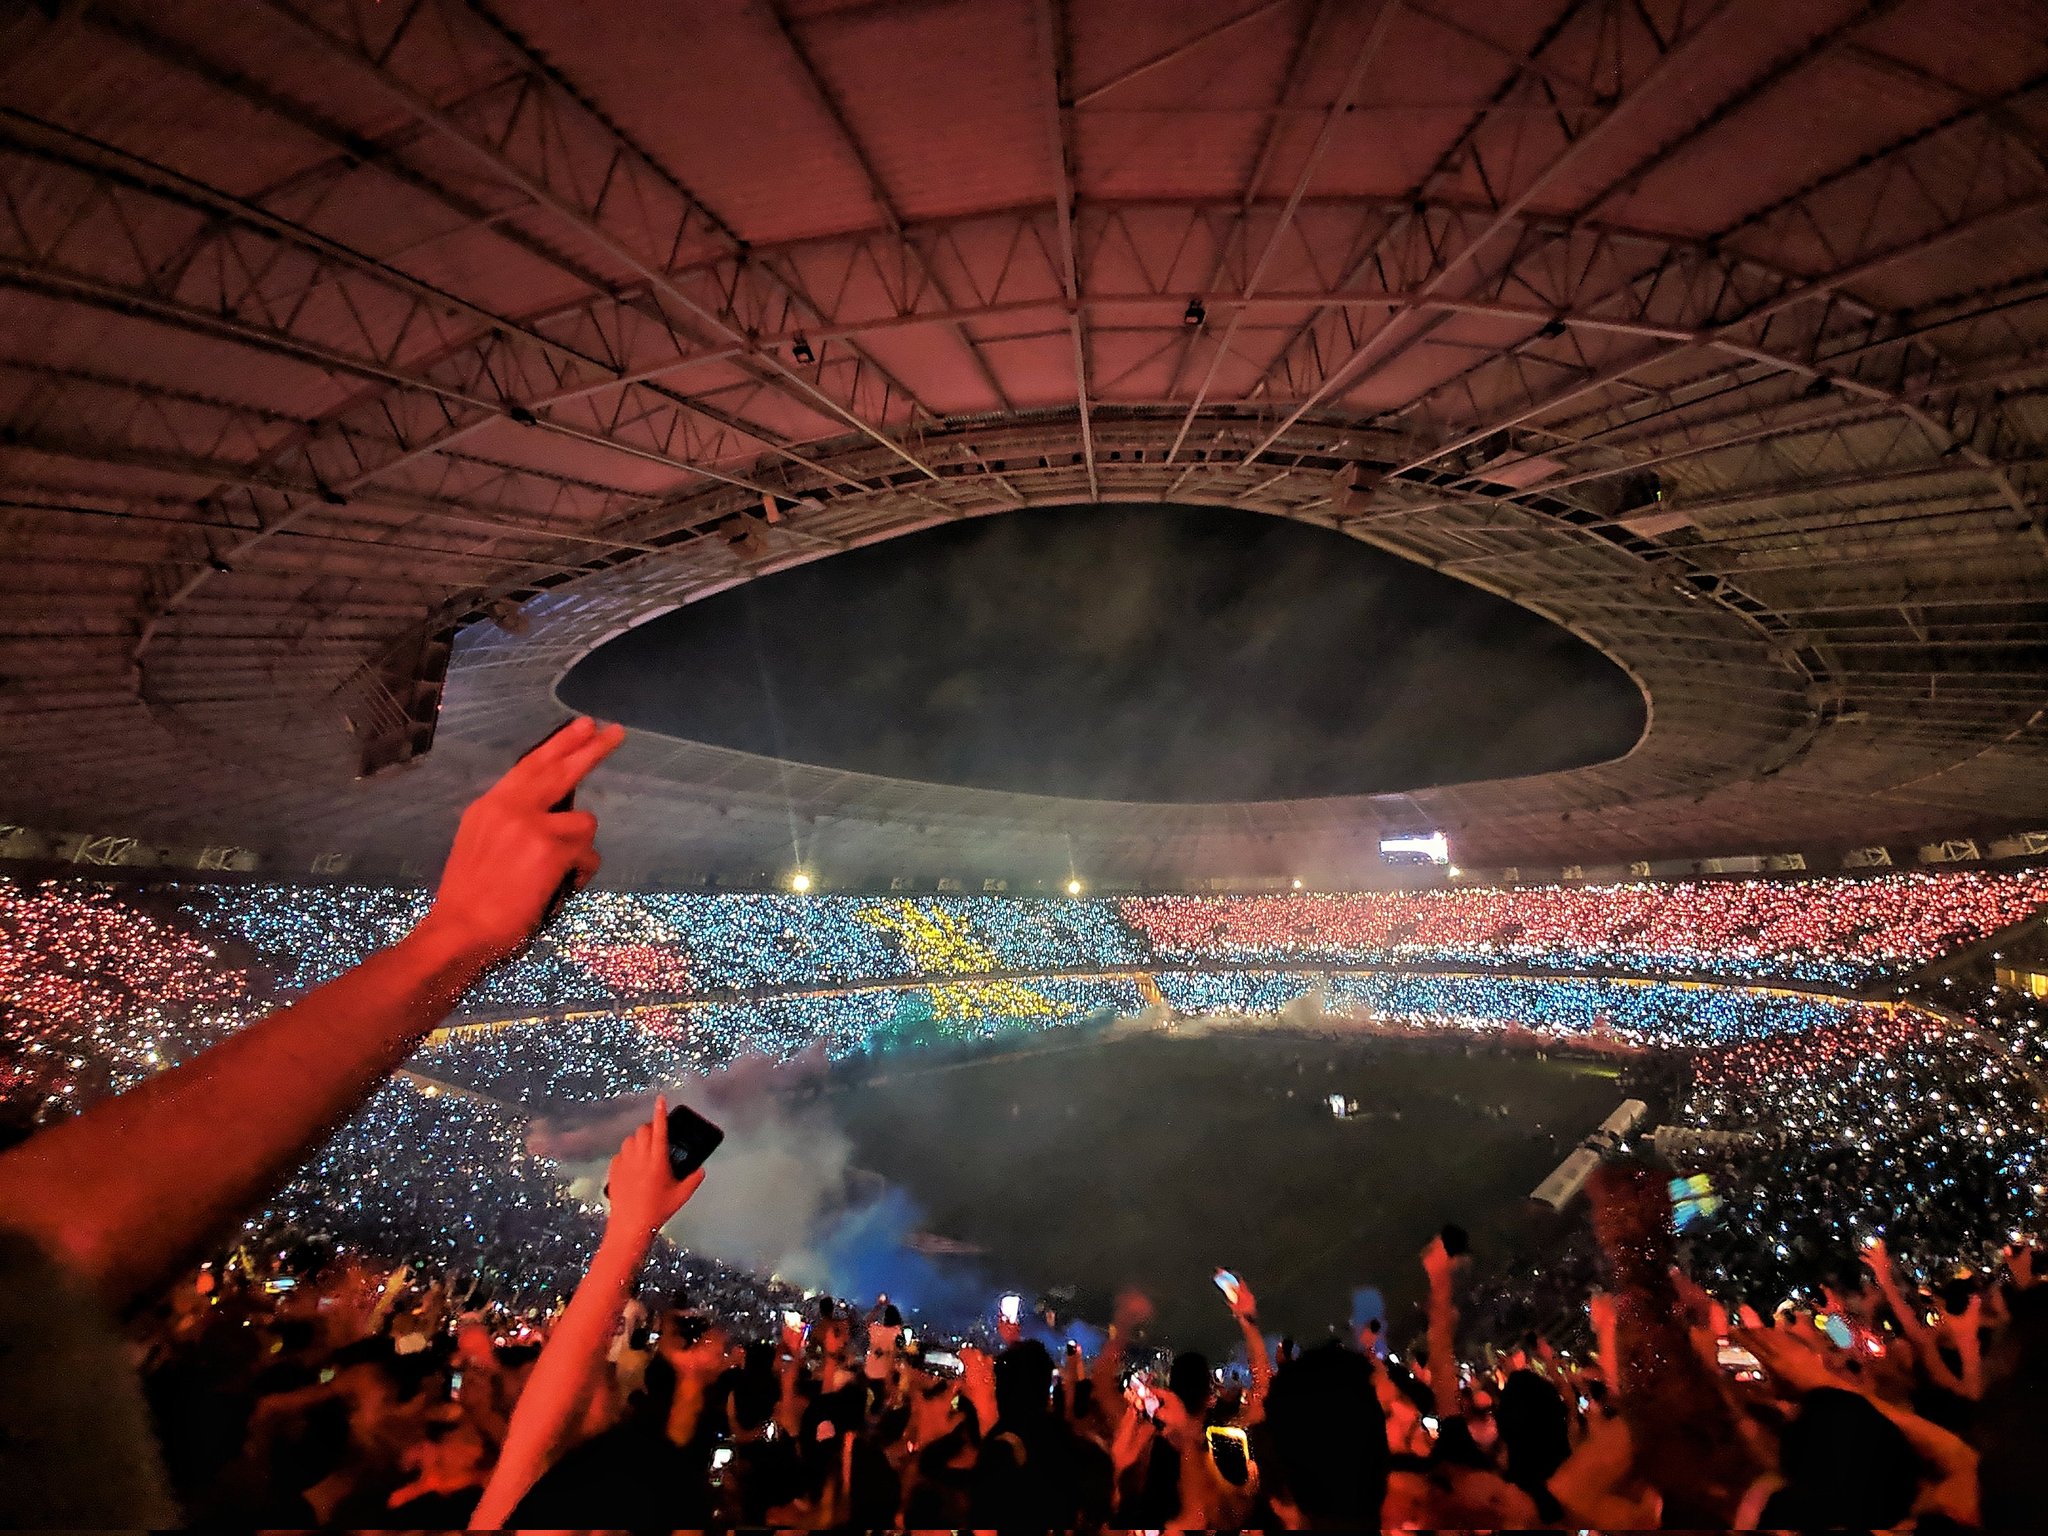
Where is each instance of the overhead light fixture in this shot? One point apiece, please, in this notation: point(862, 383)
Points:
point(1642, 489)
point(508, 615)
point(1194, 314)
point(1355, 484)
point(1297, 885)
point(799, 882)
point(748, 537)
point(1073, 887)
point(800, 349)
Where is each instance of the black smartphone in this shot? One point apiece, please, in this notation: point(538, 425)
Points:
point(563, 891)
point(691, 1139)
point(1230, 1450)
point(1456, 1241)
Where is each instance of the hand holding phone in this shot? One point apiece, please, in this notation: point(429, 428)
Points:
point(642, 1183)
point(1226, 1282)
point(1231, 1451)
point(691, 1140)
point(1011, 1309)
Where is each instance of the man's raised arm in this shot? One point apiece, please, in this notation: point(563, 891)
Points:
point(136, 1185)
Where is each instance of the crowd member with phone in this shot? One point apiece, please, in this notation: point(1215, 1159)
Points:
point(1034, 1472)
point(98, 1211)
point(1947, 1350)
point(645, 1193)
point(1245, 1308)
point(885, 1339)
point(1171, 1470)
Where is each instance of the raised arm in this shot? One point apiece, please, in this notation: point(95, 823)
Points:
point(1441, 1269)
point(1878, 1260)
point(1921, 1339)
point(131, 1188)
point(644, 1194)
point(1245, 1308)
point(1133, 1310)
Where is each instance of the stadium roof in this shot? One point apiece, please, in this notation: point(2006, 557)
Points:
point(345, 344)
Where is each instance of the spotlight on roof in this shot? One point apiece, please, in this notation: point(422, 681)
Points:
point(799, 882)
point(800, 349)
point(1194, 314)
point(1073, 887)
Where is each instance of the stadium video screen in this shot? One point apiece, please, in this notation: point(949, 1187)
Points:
point(1423, 848)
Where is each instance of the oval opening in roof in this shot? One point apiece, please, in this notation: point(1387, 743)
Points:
point(1162, 654)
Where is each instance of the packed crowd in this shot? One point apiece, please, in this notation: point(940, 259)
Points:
point(1836, 930)
point(1612, 1011)
point(607, 1055)
point(335, 1391)
point(299, 1378)
point(97, 994)
point(1881, 1124)
point(620, 947)
point(103, 993)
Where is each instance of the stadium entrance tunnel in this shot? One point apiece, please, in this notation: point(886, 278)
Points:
point(1162, 654)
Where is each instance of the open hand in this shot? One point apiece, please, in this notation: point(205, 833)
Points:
point(1791, 1363)
point(512, 850)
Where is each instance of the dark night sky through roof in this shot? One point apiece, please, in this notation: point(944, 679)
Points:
point(1123, 652)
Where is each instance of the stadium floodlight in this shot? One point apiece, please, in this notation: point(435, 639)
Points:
point(1297, 885)
point(799, 882)
point(1073, 887)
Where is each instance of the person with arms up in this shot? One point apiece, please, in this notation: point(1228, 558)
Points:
point(98, 1212)
point(645, 1193)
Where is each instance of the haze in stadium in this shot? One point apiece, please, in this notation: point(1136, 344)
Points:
point(980, 764)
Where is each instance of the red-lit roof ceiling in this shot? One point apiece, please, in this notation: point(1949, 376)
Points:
point(1713, 331)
